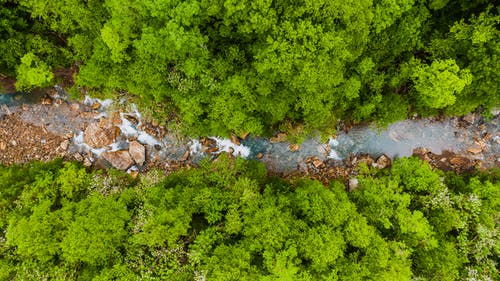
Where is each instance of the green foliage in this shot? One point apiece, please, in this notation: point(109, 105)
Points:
point(437, 85)
point(227, 220)
point(32, 73)
point(251, 66)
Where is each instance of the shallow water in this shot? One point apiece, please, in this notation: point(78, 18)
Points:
point(14, 99)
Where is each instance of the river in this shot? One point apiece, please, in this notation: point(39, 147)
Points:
point(397, 140)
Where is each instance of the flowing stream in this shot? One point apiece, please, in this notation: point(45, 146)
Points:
point(397, 140)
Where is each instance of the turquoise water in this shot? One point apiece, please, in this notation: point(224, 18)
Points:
point(15, 99)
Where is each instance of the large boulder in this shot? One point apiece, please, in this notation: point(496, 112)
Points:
point(98, 136)
point(119, 159)
point(138, 152)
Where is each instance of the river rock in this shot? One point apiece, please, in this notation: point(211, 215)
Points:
point(294, 147)
point(138, 152)
point(382, 162)
point(317, 163)
point(235, 139)
point(98, 137)
point(487, 137)
point(3, 145)
point(132, 119)
point(96, 106)
point(208, 142)
point(210, 149)
point(185, 157)
point(364, 158)
point(47, 101)
point(459, 161)
point(78, 157)
point(133, 171)
point(75, 107)
point(119, 159)
point(87, 162)
point(260, 155)
point(116, 119)
point(474, 150)
point(469, 118)
point(64, 145)
point(353, 184)
point(280, 137)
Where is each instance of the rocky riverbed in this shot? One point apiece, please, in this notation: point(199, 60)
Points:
point(103, 133)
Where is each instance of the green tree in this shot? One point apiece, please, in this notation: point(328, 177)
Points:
point(96, 230)
point(33, 73)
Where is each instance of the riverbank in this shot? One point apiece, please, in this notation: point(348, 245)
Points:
point(104, 133)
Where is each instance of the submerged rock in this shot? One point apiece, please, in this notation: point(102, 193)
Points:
point(121, 159)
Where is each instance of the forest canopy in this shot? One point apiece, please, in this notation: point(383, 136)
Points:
point(229, 220)
point(245, 66)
